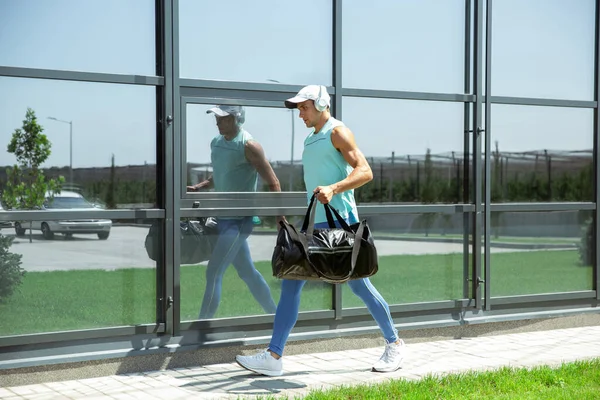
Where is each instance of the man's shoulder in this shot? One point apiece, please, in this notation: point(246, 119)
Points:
point(336, 123)
point(340, 130)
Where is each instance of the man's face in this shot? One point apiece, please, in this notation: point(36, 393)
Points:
point(308, 113)
point(226, 125)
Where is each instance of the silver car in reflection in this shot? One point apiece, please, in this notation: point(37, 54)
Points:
point(4, 224)
point(65, 201)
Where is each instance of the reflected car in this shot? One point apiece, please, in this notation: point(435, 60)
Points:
point(66, 201)
point(4, 224)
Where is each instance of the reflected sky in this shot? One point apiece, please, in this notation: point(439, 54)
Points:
point(542, 48)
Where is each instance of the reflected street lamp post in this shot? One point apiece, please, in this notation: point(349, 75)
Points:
point(70, 146)
point(291, 183)
point(292, 154)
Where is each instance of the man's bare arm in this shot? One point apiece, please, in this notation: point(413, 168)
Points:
point(206, 184)
point(256, 156)
point(342, 139)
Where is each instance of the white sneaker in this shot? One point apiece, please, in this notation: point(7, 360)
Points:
point(392, 357)
point(262, 363)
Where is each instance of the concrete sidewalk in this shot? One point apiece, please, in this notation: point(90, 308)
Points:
point(303, 373)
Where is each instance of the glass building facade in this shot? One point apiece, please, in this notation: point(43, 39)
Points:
point(479, 119)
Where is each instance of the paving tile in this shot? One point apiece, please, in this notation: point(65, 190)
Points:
point(22, 390)
point(5, 393)
point(327, 370)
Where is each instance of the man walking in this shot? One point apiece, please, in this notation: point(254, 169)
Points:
point(333, 167)
point(237, 160)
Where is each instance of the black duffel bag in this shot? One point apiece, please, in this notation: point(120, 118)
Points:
point(197, 240)
point(334, 255)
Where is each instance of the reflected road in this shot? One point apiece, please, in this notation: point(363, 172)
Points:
point(125, 249)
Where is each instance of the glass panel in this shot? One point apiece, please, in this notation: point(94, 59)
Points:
point(541, 154)
point(78, 281)
point(543, 48)
point(107, 133)
point(414, 147)
point(259, 43)
point(278, 130)
point(111, 36)
point(541, 252)
point(390, 44)
point(240, 284)
point(420, 258)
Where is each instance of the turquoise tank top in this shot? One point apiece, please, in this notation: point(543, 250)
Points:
point(324, 165)
point(231, 170)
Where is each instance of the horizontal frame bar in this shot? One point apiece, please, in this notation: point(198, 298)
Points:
point(240, 102)
point(403, 95)
point(171, 346)
point(412, 307)
point(262, 196)
point(524, 315)
point(301, 210)
point(49, 337)
point(244, 200)
point(535, 298)
point(252, 320)
point(241, 212)
point(542, 206)
point(94, 77)
point(367, 210)
point(57, 215)
point(249, 86)
point(530, 101)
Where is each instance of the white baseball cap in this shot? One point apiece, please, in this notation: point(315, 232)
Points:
point(224, 110)
point(310, 92)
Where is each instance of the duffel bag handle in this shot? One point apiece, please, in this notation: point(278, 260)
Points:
point(308, 225)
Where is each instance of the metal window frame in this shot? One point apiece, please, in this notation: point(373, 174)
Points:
point(211, 100)
point(176, 91)
point(467, 283)
point(336, 295)
point(596, 150)
point(487, 219)
point(167, 132)
point(57, 215)
point(531, 101)
point(476, 143)
point(94, 77)
point(158, 327)
point(82, 334)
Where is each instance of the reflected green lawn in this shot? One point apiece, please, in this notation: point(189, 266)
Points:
point(493, 239)
point(67, 300)
point(459, 237)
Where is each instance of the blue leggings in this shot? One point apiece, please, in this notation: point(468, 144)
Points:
point(289, 305)
point(232, 248)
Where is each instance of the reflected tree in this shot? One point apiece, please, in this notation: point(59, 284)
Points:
point(110, 199)
point(26, 187)
point(11, 272)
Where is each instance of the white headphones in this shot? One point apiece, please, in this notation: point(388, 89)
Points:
point(320, 102)
point(240, 116)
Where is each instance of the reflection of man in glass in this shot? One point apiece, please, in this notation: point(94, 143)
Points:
point(237, 159)
point(333, 167)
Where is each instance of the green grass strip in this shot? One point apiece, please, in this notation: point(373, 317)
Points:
point(571, 381)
